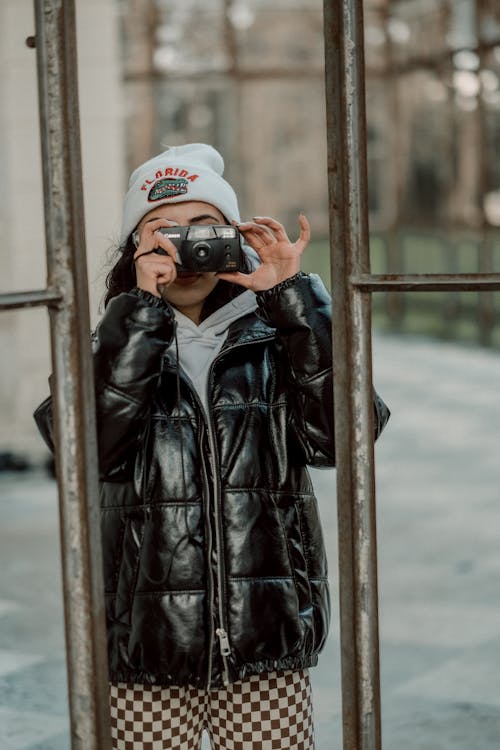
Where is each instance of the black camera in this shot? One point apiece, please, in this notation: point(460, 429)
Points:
point(207, 247)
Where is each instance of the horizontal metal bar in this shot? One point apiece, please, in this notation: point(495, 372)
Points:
point(427, 282)
point(428, 62)
point(251, 74)
point(13, 300)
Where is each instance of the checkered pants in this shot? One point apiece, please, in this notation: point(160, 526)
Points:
point(264, 712)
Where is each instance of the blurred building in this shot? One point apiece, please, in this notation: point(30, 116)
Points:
point(434, 111)
point(434, 134)
point(24, 341)
point(246, 76)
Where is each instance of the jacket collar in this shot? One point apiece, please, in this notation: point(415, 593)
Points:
point(246, 330)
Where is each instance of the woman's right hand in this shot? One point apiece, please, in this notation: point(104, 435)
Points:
point(153, 271)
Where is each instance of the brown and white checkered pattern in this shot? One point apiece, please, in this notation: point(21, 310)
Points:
point(150, 717)
point(270, 712)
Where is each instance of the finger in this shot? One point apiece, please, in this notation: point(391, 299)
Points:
point(151, 263)
point(153, 256)
point(277, 228)
point(167, 245)
point(243, 279)
point(167, 279)
point(142, 254)
point(144, 237)
point(150, 276)
point(151, 226)
point(257, 236)
point(252, 226)
point(305, 230)
point(153, 271)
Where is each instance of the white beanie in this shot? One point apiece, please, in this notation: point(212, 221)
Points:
point(181, 173)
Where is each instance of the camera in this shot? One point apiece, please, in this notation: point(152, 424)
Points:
point(206, 247)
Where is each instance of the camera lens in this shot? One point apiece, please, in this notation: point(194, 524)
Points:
point(201, 250)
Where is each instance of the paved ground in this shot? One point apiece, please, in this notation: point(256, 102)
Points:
point(439, 557)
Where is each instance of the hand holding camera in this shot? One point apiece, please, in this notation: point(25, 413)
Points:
point(155, 271)
point(280, 258)
point(166, 248)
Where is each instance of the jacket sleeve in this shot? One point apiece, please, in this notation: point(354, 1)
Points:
point(300, 309)
point(128, 347)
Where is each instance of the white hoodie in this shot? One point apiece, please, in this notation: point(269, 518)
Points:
point(200, 344)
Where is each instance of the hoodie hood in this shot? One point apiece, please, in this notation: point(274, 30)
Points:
point(198, 345)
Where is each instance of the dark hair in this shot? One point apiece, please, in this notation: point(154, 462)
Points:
point(122, 278)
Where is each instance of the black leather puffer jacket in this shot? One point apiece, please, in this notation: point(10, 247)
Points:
point(214, 563)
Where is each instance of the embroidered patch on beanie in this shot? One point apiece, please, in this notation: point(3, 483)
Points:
point(167, 188)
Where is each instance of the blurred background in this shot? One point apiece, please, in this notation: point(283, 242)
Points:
point(248, 77)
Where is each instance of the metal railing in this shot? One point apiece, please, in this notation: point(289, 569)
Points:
point(352, 286)
point(66, 297)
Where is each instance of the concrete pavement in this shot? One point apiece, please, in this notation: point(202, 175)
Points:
point(439, 568)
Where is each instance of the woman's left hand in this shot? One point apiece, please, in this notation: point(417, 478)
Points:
point(280, 258)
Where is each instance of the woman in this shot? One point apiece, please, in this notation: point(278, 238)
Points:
point(214, 391)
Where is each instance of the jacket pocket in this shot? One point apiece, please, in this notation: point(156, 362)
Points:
point(128, 564)
point(290, 519)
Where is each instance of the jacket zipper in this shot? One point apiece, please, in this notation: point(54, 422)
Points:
point(208, 527)
point(221, 634)
point(225, 647)
point(211, 598)
point(221, 631)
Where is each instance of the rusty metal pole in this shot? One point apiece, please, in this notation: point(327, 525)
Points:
point(73, 390)
point(354, 428)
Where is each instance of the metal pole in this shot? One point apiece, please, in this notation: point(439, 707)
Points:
point(74, 412)
point(345, 99)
